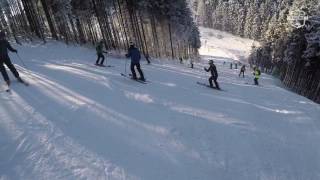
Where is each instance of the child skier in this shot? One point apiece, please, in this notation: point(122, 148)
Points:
point(214, 74)
point(242, 70)
point(256, 74)
point(135, 56)
point(5, 59)
point(99, 49)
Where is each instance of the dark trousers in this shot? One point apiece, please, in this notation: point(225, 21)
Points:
point(148, 60)
point(134, 75)
point(100, 56)
point(256, 81)
point(214, 79)
point(241, 72)
point(4, 73)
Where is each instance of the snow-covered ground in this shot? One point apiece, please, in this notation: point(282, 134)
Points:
point(221, 44)
point(78, 121)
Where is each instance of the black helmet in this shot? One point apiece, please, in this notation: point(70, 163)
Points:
point(211, 62)
point(131, 44)
point(2, 34)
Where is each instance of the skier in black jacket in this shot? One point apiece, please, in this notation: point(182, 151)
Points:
point(242, 71)
point(214, 74)
point(4, 59)
point(99, 49)
point(135, 56)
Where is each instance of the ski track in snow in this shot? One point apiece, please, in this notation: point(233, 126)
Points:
point(78, 121)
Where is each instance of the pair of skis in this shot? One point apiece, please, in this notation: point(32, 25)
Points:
point(254, 85)
point(5, 90)
point(8, 89)
point(137, 80)
point(101, 65)
point(206, 85)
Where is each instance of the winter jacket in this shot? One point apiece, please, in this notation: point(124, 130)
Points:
point(213, 70)
point(134, 54)
point(4, 47)
point(99, 49)
point(257, 73)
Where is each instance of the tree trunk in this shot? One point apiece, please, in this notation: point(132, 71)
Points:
point(49, 19)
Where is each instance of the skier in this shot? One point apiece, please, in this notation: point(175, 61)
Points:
point(5, 59)
point(147, 58)
point(99, 49)
point(256, 73)
point(214, 74)
point(181, 60)
point(135, 56)
point(242, 70)
point(191, 64)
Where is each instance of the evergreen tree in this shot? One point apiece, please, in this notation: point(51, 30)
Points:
point(159, 28)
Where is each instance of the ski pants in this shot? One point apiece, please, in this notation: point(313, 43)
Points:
point(100, 56)
point(241, 72)
point(256, 82)
point(6, 61)
point(214, 79)
point(134, 75)
point(148, 60)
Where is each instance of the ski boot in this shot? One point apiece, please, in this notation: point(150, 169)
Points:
point(142, 79)
point(20, 80)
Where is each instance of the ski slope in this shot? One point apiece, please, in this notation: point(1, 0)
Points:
point(222, 44)
point(78, 121)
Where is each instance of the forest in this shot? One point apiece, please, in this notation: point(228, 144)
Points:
point(288, 51)
point(159, 28)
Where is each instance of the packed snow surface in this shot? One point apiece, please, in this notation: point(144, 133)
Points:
point(221, 44)
point(78, 121)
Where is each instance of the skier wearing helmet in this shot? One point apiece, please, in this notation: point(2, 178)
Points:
point(256, 74)
point(214, 74)
point(135, 56)
point(5, 59)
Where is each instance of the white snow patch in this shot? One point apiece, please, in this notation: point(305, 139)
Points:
point(139, 97)
point(281, 111)
point(169, 84)
point(207, 115)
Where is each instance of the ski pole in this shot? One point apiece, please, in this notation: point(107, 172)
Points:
point(125, 67)
point(24, 65)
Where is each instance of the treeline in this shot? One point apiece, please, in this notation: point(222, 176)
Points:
point(292, 54)
point(161, 28)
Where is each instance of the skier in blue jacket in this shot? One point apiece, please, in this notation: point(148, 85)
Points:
point(135, 56)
